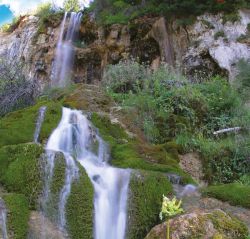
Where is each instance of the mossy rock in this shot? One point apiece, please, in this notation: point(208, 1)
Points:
point(80, 208)
point(56, 184)
point(214, 224)
point(233, 193)
point(127, 153)
point(20, 170)
point(19, 126)
point(145, 199)
point(18, 215)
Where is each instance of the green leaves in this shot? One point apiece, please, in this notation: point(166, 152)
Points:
point(170, 208)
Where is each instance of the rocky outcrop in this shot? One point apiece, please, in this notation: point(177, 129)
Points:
point(214, 224)
point(208, 47)
point(41, 227)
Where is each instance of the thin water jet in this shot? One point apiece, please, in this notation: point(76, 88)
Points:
point(3, 220)
point(40, 119)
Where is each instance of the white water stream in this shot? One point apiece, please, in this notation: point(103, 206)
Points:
point(3, 224)
point(75, 137)
point(64, 59)
point(39, 122)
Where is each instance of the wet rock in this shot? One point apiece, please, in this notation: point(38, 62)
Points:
point(192, 165)
point(38, 222)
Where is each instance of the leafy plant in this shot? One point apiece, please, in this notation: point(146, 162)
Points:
point(219, 34)
point(170, 208)
point(71, 5)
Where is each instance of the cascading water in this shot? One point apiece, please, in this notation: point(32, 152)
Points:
point(75, 137)
point(62, 66)
point(39, 122)
point(3, 217)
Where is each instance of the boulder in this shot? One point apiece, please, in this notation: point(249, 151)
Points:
point(214, 224)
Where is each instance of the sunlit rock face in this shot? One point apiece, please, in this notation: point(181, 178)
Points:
point(34, 50)
point(208, 47)
point(219, 40)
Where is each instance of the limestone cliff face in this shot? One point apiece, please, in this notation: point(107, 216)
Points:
point(208, 47)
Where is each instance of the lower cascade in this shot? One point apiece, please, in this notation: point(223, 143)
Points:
point(3, 217)
point(78, 141)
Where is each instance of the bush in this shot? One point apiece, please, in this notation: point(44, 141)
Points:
point(166, 106)
point(242, 81)
point(16, 91)
point(183, 10)
point(219, 34)
point(125, 76)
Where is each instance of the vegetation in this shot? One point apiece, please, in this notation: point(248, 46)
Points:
point(71, 5)
point(144, 203)
point(10, 27)
point(126, 152)
point(47, 17)
point(170, 208)
point(235, 193)
point(168, 107)
point(80, 207)
point(121, 11)
point(16, 91)
point(22, 171)
point(18, 214)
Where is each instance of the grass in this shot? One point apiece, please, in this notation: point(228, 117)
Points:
point(21, 172)
point(125, 152)
point(18, 215)
point(18, 127)
point(234, 193)
point(144, 204)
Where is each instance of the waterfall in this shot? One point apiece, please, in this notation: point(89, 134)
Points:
point(3, 224)
point(64, 59)
point(39, 122)
point(75, 137)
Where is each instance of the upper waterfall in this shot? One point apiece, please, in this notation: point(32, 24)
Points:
point(64, 58)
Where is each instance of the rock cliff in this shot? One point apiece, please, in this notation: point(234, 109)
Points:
point(208, 47)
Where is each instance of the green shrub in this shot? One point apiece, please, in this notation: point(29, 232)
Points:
point(47, 16)
point(235, 194)
point(18, 215)
point(71, 5)
point(23, 173)
point(183, 10)
point(125, 76)
point(144, 204)
point(219, 34)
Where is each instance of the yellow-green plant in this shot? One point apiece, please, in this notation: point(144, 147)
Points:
point(170, 208)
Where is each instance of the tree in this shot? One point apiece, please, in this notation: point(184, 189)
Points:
point(16, 91)
point(72, 5)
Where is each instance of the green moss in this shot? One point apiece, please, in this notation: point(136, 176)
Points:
point(224, 224)
point(125, 152)
point(18, 215)
point(79, 208)
point(19, 126)
point(146, 190)
point(51, 119)
point(22, 172)
point(234, 193)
